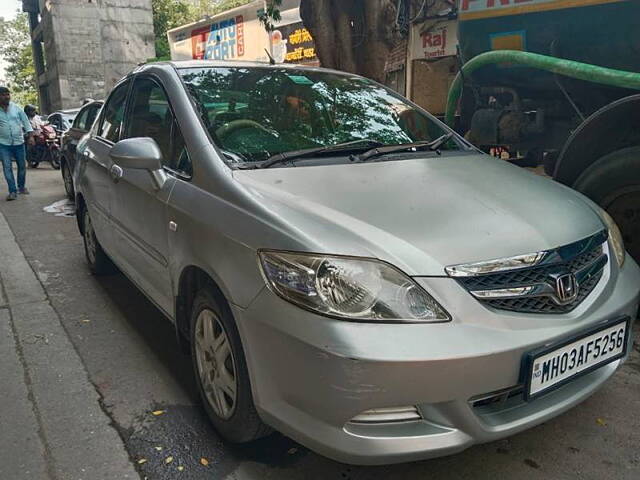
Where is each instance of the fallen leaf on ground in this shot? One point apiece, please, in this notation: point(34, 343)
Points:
point(601, 422)
point(85, 320)
point(159, 449)
point(180, 468)
point(204, 461)
point(168, 460)
point(158, 412)
point(141, 461)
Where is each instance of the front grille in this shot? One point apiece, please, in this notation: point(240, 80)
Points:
point(541, 275)
point(528, 276)
point(545, 304)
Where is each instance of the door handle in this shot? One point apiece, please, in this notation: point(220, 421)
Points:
point(116, 173)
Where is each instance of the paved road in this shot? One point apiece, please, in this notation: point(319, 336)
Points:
point(131, 358)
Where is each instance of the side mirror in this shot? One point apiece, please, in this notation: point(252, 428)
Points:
point(140, 154)
point(137, 153)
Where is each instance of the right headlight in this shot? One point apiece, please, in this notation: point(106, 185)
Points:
point(615, 238)
point(350, 288)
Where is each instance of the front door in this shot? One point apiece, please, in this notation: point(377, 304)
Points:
point(139, 207)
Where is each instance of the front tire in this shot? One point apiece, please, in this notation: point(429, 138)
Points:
point(613, 182)
point(221, 371)
point(98, 261)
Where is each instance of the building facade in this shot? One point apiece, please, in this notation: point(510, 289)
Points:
point(83, 47)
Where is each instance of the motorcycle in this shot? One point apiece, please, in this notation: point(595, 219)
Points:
point(46, 148)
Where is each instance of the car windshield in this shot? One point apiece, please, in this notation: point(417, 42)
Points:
point(256, 113)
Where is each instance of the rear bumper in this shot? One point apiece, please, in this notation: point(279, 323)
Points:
point(311, 375)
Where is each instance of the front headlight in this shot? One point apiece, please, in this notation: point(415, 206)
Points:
point(349, 288)
point(615, 238)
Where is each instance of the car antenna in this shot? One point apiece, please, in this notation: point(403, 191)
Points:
point(272, 61)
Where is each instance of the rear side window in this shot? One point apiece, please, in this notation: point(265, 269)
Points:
point(113, 115)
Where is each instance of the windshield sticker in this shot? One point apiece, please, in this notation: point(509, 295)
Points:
point(300, 79)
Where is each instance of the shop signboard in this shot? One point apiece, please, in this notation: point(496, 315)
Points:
point(474, 9)
point(233, 35)
point(293, 44)
point(434, 40)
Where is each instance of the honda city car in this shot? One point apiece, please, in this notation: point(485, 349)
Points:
point(343, 267)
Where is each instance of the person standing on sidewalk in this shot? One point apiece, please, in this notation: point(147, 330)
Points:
point(14, 125)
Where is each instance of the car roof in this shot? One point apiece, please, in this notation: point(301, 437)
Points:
point(68, 112)
point(184, 64)
point(92, 102)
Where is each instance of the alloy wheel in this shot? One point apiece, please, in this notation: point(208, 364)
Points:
point(89, 238)
point(216, 364)
point(68, 181)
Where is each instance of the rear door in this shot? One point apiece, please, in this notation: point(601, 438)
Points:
point(139, 208)
point(81, 125)
point(95, 164)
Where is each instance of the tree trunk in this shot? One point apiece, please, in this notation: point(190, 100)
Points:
point(356, 36)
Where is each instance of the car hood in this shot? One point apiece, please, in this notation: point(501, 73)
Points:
point(421, 214)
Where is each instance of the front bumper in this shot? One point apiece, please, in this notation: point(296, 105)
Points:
point(311, 375)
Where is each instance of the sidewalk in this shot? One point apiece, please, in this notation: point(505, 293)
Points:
point(52, 425)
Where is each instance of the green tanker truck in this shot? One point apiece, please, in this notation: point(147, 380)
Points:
point(556, 83)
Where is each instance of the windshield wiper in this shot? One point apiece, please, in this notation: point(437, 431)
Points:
point(296, 154)
point(433, 145)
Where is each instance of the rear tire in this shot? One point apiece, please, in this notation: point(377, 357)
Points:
point(98, 261)
point(221, 371)
point(68, 181)
point(613, 182)
point(55, 159)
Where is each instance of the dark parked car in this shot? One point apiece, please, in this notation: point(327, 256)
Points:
point(81, 125)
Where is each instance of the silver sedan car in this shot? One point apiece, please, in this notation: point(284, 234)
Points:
point(343, 267)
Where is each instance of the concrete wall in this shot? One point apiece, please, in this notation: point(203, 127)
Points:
point(89, 45)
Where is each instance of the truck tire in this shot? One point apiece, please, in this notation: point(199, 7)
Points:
point(221, 371)
point(613, 182)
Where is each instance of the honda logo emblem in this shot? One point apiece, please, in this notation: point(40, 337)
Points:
point(566, 288)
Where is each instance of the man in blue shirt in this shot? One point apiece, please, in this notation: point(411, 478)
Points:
point(14, 125)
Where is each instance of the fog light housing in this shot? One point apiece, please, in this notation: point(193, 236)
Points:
point(388, 415)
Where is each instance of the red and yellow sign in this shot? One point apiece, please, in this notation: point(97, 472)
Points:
point(474, 9)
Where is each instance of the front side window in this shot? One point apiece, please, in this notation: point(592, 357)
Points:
point(80, 122)
point(114, 114)
point(255, 113)
point(151, 116)
point(91, 116)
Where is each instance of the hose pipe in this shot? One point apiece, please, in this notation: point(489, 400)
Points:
point(567, 68)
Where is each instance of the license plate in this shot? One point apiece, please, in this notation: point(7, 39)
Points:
point(552, 366)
